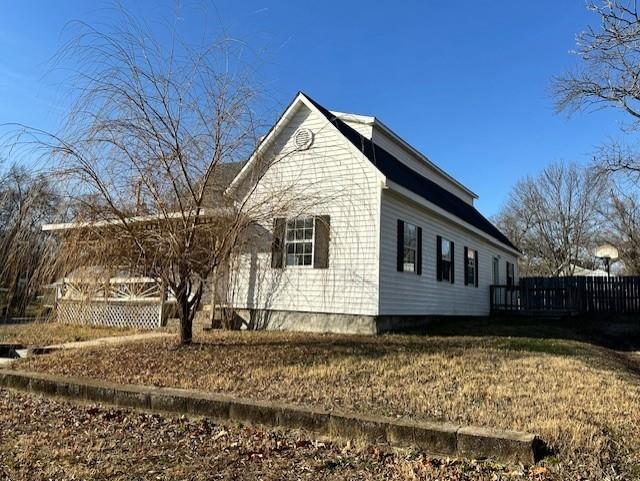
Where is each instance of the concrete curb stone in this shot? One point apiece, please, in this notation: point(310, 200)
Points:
point(437, 438)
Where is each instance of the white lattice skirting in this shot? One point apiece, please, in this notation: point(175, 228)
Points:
point(139, 315)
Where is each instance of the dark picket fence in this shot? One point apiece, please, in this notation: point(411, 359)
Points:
point(579, 295)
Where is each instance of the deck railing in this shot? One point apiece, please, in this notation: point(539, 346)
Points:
point(616, 295)
point(118, 302)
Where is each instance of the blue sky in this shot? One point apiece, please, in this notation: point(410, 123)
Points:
point(468, 86)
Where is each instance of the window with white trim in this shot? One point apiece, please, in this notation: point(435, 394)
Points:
point(471, 267)
point(496, 271)
point(446, 265)
point(511, 273)
point(299, 235)
point(410, 247)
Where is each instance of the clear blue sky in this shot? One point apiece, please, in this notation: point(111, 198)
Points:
point(468, 86)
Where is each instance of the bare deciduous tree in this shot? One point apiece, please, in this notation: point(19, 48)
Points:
point(608, 77)
point(27, 200)
point(553, 218)
point(623, 223)
point(145, 157)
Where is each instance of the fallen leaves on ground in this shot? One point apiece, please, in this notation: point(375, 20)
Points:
point(43, 439)
point(583, 399)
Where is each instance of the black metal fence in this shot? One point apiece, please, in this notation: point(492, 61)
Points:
point(616, 295)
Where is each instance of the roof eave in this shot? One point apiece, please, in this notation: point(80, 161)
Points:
point(424, 158)
point(413, 197)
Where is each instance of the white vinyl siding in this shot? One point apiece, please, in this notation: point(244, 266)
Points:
point(424, 295)
point(364, 129)
point(330, 178)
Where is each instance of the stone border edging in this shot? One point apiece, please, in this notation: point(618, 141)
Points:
point(437, 438)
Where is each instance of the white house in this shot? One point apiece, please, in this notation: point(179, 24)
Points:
point(376, 236)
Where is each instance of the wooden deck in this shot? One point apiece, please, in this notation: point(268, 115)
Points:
point(568, 296)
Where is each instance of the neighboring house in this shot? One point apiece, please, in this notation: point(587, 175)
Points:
point(375, 237)
point(579, 271)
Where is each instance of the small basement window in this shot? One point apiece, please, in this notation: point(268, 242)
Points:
point(299, 235)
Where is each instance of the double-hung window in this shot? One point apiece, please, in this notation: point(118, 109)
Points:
point(511, 273)
point(470, 267)
point(409, 253)
point(445, 267)
point(301, 242)
point(299, 235)
point(410, 256)
point(496, 271)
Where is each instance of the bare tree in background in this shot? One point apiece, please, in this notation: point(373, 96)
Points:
point(608, 76)
point(146, 154)
point(27, 200)
point(554, 218)
point(623, 223)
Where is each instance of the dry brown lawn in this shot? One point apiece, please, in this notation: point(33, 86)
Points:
point(583, 399)
point(46, 333)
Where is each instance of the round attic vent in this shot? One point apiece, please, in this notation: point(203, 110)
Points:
point(303, 139)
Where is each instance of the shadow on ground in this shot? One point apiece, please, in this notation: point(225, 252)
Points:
point(602, 344)
point(621, 334)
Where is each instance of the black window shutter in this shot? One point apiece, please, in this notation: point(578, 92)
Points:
point(277, 245)
point(400, 253)
point(419, 253)
point(466, 266)
point(477, 266)
point(439, 257)
point(453, 262)
point(321, 242)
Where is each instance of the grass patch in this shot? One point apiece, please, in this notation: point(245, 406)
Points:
point(582, 398)
point(46, 333)
point(545, 346)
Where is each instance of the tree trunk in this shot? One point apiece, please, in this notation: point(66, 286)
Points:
point(186, 321)
point(188, 303)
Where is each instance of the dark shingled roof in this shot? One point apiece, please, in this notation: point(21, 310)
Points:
point(222, 176)
point(403, 175)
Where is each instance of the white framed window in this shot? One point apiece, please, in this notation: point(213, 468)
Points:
point(446, 260)
point(409, 260)
point(496, 271)
point(511, 273)
point(299, 235)
point(470, 280)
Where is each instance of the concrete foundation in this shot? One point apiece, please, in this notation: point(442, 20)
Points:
point(326, 322)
